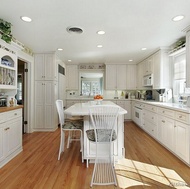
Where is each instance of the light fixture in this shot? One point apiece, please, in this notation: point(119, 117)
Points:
point(26, 19)
point(130, 60)
point(143, 49)
point(69, 60)
point(178, 18)
point(59, 49)
point(99, 46)
point(101, 32)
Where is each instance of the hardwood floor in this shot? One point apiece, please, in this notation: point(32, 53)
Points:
point(147, 165)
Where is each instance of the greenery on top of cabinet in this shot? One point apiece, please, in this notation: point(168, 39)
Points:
point(5, 31)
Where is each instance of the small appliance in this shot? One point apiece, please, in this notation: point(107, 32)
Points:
point(148, 80)
point(3, 101)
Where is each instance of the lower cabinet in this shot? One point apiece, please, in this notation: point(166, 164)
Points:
point(182, 141)
point(166, 132)
point(10, 135)
point(46, 117)
point(169, 127)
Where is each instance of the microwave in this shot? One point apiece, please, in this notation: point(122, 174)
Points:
point(148, 80)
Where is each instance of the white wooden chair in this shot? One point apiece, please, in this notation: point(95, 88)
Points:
point(103, 119)
point(68, 125)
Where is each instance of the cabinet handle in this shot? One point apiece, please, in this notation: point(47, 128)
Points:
point(7, 128)
point(175, 126)
point(163, 121)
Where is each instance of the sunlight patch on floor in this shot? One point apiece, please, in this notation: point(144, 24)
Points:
point(134, 173)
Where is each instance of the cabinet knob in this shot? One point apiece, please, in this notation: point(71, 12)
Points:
point(15, 114)
point(163, 111)
point(180, 116)
point(163, 121)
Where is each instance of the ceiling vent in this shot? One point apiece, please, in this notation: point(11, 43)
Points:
point(74, 30)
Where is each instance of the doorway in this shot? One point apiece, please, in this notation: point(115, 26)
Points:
point(21, 95)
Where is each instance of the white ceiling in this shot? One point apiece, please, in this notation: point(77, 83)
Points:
point(129, 26)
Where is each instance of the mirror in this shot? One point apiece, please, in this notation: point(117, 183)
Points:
point(91, 83)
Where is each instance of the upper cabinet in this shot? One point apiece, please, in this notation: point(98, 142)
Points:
point(8, 68)
point(46, 67)
point(72, 77)
point(161, 70)
point(188, 59)
point(115, 77)
point(131, 76)
point(148, 66)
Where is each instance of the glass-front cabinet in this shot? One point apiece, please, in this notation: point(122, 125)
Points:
point(8, 68)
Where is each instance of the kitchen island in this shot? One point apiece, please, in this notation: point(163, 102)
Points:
point(82, 109)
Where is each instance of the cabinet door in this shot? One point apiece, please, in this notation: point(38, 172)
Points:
point(39, 104)
point(49, 105)
point(166, 132)
point(131, 76)
point(51, 70)
point(39, 67)
point(188, 59)
point(72, 77)
point(13, 135)
point(2, 151)
point(111, 77)
point(140, 76)
point(182, 141)
point(121, 77)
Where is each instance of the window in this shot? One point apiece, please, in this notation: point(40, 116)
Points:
point(179, 82)
point(91, 86)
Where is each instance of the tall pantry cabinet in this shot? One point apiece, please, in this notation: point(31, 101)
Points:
point(46, 92)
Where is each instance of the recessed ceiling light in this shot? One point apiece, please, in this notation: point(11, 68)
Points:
point(143, 49)
point(26, 19)
point(130, 60)
point(69, 60)
point(178, 18)
point(101, 32)
point(59, 49)
point(99, 46)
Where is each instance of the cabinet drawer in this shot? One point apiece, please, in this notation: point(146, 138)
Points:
point(150, 107)
point(14, 114)
point(166, 112)
point(2, 117)
point(181, 116)
point(150, 116)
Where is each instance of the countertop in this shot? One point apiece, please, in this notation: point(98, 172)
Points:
point(83, 108)
point(6, 109)
point(173, 106)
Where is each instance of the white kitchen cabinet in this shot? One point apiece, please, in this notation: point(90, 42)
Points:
point(148, 66)
point(166, 132)
point(72, 77)
point(140, 76)
point(10, 135)
point(115, 77)
point(46, 67)
point(188, 59)
point(150, 120)
point(161, 70)
point(182, 140)
point(8, 68)
point(131, 77)
point(46, 117)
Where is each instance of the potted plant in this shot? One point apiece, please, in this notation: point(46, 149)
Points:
point(5, 31)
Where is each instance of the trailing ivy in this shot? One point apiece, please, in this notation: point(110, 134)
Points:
point(5, 31)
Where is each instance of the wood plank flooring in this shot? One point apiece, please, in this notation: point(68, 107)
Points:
point(146, 165)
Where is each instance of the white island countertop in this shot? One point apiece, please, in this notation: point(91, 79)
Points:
point(83, 108)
